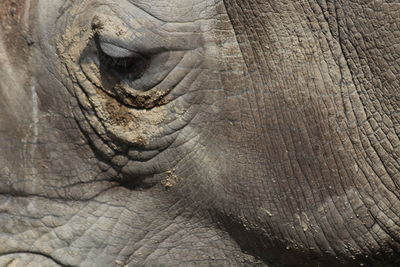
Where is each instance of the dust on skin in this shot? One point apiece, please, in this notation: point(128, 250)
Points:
point(131, 125)
point(149, 99)
point(99, 24)
point(171, 180)
point(136, 126)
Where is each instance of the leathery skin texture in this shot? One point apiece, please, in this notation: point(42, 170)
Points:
point(199, 133)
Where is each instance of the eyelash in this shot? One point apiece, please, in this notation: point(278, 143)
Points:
point(123, 65)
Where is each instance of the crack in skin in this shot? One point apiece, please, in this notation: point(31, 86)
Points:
point(15, 262)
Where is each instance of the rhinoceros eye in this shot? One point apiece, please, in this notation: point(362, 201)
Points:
point(123, 63)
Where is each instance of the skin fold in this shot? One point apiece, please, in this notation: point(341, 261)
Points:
point(199, 133)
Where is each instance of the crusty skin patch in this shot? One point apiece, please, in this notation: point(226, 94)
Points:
point(148, 100)
point(117, 112)
point(134, 126)
point(171, 180)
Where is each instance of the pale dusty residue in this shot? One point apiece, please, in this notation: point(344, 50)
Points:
point(135, 126)
point(31, 139)
point(35, 119)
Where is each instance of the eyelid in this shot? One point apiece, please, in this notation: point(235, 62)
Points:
point(115, 51)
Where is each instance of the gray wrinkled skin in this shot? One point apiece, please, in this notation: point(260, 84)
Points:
point(199, 133)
